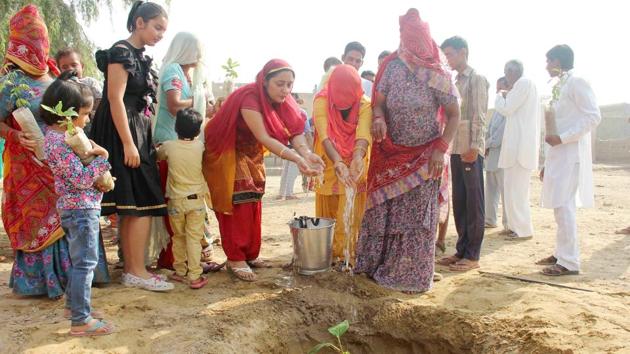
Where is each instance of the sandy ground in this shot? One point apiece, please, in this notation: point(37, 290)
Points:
point(282, 313)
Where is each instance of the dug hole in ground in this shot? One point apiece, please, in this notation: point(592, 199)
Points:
point(286, 313)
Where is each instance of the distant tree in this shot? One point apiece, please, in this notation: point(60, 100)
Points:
point(64, 29)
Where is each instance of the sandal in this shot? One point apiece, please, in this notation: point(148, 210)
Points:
point(211, 266)
point(98, 328)
point(198, 283)
point(447, 261)
point(67, 314)
point(241, 273)
point(178, 278)
point(437, 277)
point(258, 263)
point(207, 254)
point(551, 260)
point(558, 270)
point(463, 265)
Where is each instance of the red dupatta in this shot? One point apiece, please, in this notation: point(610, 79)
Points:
point(28, 45)
point(282, 121)
point(343, 91)
point(391, 164)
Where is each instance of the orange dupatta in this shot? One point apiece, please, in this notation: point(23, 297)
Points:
point(282, 121)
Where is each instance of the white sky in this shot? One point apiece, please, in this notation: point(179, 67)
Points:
point(306, 32)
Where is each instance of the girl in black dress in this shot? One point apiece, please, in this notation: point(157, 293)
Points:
point(122, 125)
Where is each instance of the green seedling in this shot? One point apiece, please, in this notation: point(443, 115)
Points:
point(336, 331)
point(66, 115)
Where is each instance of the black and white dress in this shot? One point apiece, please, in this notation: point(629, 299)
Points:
point(137, 190)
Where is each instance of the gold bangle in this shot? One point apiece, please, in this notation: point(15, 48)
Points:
point(339, 162)
point(360, 148)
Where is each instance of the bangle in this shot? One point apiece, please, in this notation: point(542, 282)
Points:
point(440, 144)
point(360, 149)
point(377, 117)
point(339, 162)
point(282, 152)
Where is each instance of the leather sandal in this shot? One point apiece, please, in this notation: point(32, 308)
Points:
point(447, 261)
point(551, 260)
point(558, 270)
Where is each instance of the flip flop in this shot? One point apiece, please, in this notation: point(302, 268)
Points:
point(98, 328)
point(558, 270)
point(239, 273)
point(207, 253)
point(258, 263)
point(198, 283)
point(463, 265)
point(212, 266)
point(447, 261)
point(549, 261)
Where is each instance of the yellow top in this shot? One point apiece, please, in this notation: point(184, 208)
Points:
point(331, 184)
point(184, 168)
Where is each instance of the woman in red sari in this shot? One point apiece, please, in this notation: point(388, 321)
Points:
point(258, 116)
point(413, 97)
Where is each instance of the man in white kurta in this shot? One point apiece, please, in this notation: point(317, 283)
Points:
point(519, 148)
point(568, 171)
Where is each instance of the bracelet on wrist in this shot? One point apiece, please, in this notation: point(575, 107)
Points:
point(441, 144)
point(282, 152)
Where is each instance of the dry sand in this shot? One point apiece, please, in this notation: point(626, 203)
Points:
point(281, 313)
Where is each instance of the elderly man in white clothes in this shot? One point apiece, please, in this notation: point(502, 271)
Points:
point(519, 148)
point(568, 171)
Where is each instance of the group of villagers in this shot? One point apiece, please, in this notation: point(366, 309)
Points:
point(388, 152)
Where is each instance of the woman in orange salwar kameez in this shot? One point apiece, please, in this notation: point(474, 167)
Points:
point(261, 115)
point(343, 118)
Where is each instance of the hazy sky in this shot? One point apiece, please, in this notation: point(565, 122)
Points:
point(306, 32)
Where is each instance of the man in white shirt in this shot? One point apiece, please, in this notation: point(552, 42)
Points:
point(494, 174)
point(568, 171)
point(353, 55)
point(519, 149)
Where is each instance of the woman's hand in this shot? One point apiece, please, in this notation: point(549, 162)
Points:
point(97, 150)
point(24, 139)
point(315, 162)
point(356, 168)
point(342, 172)
point(305, 168)
point(379, 129)
point(132, 157)
point(436, 164)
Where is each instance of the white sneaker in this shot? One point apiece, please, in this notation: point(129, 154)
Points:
point(152, 283)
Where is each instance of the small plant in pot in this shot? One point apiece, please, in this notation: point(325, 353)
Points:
point(230, 75)
point(79, 143)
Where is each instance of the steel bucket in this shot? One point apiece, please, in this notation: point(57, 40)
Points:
point(312, 244)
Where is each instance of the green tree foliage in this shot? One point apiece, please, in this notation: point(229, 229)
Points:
point(64, 29)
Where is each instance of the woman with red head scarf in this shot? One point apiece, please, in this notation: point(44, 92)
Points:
point(258, 116)
point(29, 212)
point(343, 117)
point(413, 97)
